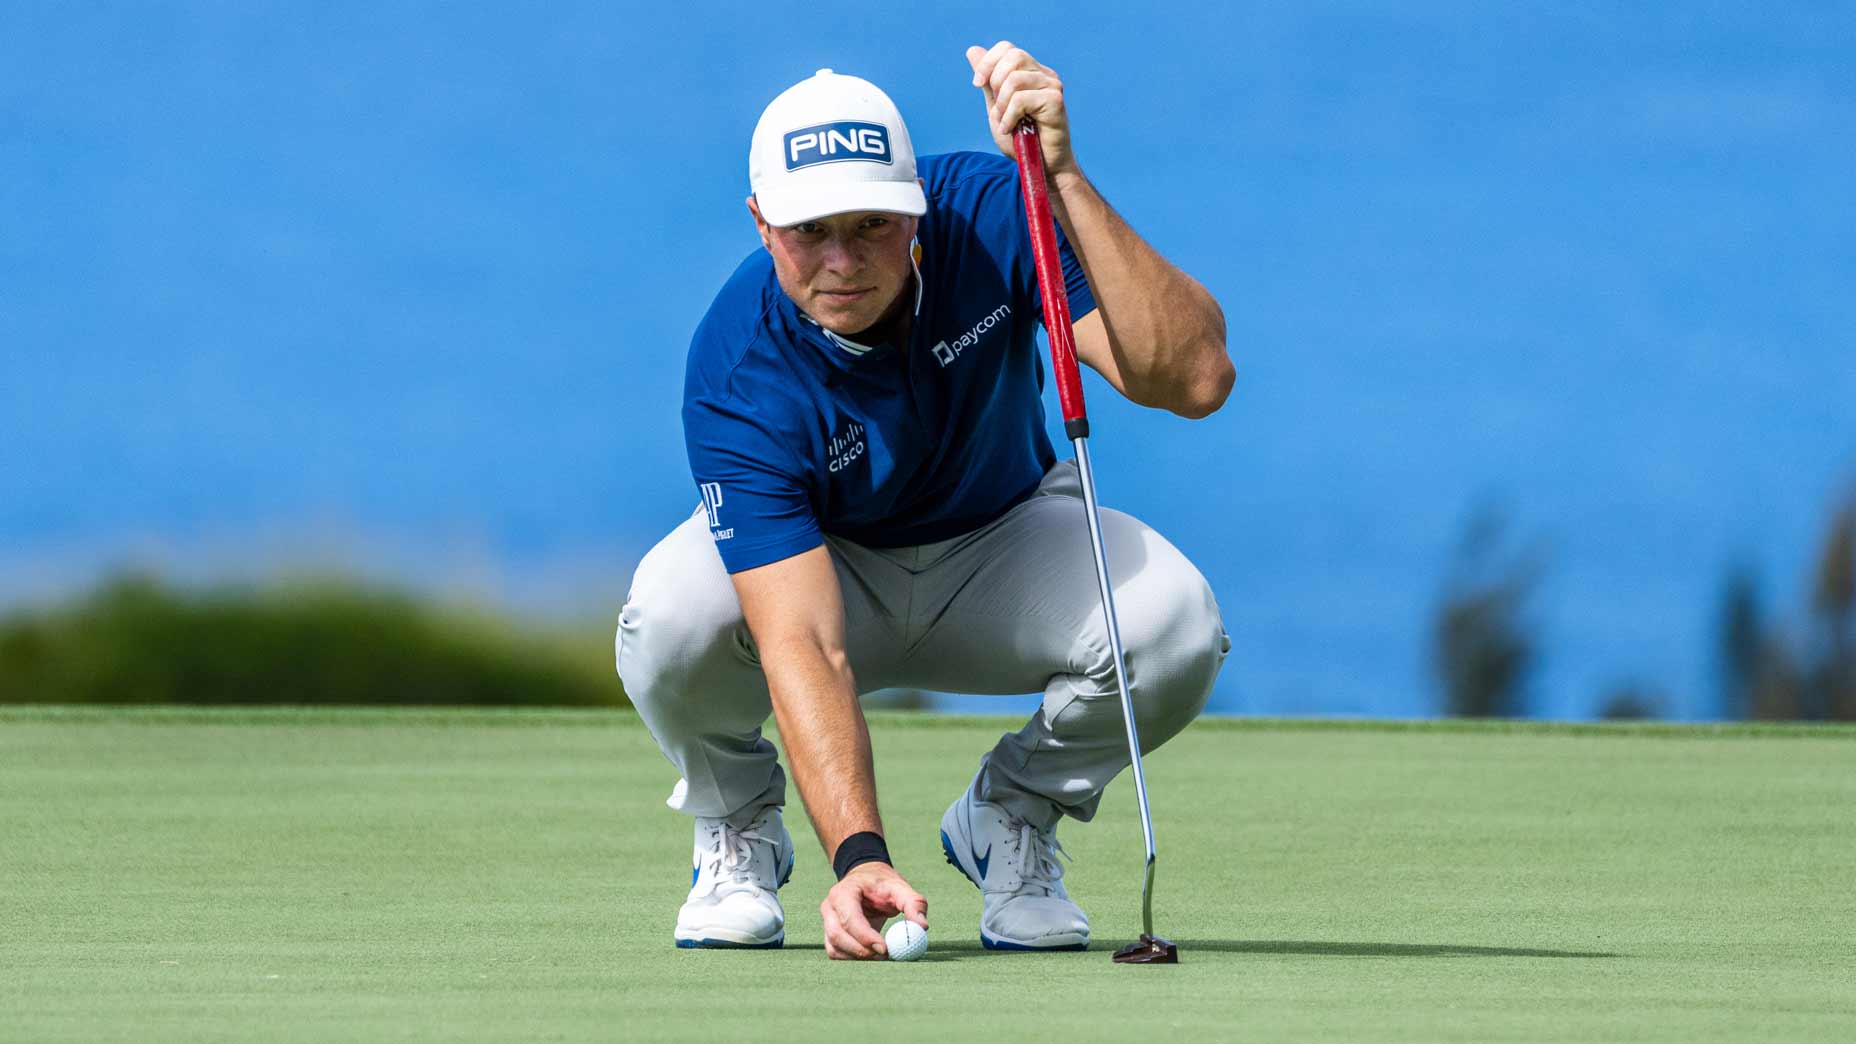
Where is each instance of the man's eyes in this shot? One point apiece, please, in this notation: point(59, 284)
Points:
point(814, 230)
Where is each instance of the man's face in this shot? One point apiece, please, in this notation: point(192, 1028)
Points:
point(846, 270)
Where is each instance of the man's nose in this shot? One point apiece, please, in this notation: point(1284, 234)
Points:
point(842, 255)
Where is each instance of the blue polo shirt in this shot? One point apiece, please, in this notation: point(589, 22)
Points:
point(794, 432)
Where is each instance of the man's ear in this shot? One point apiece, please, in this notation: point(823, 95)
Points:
point(760, 224)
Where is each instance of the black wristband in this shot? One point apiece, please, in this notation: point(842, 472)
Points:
point(860, 848)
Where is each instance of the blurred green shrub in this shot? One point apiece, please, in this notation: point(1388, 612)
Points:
point(137, 641)
point(1798, 669)
point(1483, 641)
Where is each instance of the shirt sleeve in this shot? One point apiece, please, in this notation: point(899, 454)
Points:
point(758, 509)
point(999, 210)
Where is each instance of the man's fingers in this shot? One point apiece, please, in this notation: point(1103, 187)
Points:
point(1033, 81)
point(983, 69)
point(840, 944)
point(1045, 108)
point(897, 897)
point(1013, 61)
point(832, 932)
point(974, 54)
point(855, 937)
point(915, 908)
point(857, 926)
point(988, 65)
point(1017, 88)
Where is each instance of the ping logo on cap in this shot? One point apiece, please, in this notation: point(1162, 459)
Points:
point(837, 142)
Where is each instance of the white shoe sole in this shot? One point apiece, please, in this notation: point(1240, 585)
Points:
point(723, 939)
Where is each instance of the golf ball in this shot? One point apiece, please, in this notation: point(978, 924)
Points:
point(906, 940)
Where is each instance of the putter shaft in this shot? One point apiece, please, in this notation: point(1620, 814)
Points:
point(1121, 675)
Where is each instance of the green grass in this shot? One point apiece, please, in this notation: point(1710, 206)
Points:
point(243, 875)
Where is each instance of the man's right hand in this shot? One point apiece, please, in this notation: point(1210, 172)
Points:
point(856, 906)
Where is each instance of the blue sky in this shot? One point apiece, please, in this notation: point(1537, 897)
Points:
point(406, 289)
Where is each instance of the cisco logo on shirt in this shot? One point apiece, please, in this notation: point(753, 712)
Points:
point(837, 142)
point(846, 447)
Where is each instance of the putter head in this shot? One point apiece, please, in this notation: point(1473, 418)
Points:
point(1150, 950)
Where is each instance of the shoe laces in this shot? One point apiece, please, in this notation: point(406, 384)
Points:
point(731, 857)
point(1038, 850)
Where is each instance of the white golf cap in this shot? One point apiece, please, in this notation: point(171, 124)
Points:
point(828, 145)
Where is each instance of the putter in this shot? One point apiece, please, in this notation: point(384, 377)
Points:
point(1151, 949)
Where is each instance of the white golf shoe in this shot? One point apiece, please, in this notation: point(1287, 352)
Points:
point(734, 883)
point(1015, 866)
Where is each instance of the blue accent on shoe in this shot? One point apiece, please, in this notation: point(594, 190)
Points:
point(1000, 944)
point(724, 944)
point(947, 849)
point(695, 871)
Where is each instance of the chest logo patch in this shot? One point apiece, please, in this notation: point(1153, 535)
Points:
point(712, 503)
point(846, 447)
point(947, 351)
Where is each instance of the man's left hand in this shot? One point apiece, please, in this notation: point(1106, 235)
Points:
point(1016, 86)
point(856, 907)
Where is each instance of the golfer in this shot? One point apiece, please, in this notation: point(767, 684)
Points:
point(881, 507)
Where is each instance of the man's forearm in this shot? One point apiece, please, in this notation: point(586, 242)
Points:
point(1166, 330)
point(826, 739)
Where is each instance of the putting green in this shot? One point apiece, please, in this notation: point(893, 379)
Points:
point(195, 875)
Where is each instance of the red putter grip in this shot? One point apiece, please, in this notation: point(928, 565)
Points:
point(1050, 279)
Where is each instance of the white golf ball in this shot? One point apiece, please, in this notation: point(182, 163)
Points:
point(906, 940)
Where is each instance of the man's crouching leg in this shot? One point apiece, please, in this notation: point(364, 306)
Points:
point(1061, 761)
point(1002, 832)
point(691, 669)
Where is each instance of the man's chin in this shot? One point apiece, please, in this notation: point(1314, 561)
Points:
point(841, 321)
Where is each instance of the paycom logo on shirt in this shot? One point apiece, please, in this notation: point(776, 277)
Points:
point(947, 351)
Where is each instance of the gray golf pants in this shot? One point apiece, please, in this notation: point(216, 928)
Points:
point(1012, 607)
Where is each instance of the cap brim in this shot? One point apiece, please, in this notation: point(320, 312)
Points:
point(793, 204)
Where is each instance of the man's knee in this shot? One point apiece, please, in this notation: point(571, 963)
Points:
point(681, 620)
point(1174, 636)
